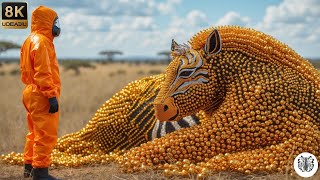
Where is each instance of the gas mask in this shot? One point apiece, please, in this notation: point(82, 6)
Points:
point(56, 27)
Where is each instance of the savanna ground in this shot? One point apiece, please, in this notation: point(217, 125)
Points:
point(84, 90)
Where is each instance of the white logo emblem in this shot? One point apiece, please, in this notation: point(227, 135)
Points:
point(305, 164)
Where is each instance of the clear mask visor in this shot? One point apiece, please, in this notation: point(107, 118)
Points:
point(57, 23)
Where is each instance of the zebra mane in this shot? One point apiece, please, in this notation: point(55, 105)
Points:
point(181, 49)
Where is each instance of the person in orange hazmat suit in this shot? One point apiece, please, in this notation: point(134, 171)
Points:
point(40, 74)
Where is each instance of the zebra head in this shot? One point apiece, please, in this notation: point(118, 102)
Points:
point(188, 87)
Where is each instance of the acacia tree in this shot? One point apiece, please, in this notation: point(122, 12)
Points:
point(110, 54)
point(5, 45)
point(167, 54)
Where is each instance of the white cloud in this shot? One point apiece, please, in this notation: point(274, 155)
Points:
point(134, 23)
point(197, 18)
point(78, 22)
point(124, 7)
point(293, 22)
point(168, 7)
point(292, 12)
point(114, 7)
point(233, 18)
point(179, 28)
point(296, 23)
point(133, 27)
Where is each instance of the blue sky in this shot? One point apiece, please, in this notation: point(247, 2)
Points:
point(145, 27)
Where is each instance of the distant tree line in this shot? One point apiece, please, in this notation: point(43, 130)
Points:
point(111, 53)
point(6, 45)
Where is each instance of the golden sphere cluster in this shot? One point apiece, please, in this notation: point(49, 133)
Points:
point(267, 115)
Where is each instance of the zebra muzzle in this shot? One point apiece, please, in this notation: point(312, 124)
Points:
point(166, 110)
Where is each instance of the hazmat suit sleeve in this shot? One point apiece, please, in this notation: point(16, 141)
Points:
point(42, 67)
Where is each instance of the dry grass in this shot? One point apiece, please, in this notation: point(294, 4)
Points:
point(81, 96)
point(111, 172)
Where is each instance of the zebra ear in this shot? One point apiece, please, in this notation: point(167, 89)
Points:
point(213, 43)
point(174, 44)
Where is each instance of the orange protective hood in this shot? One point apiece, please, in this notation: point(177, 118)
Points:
point(42, 21)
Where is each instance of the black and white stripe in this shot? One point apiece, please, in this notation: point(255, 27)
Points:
point(162, 128)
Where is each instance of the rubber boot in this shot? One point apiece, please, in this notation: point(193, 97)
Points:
point(27, 170)
point(42, 174)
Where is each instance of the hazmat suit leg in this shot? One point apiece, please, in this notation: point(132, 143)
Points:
point(43, 128)
point(28, 148)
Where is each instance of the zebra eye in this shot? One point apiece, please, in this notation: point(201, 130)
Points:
point(186, 73)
